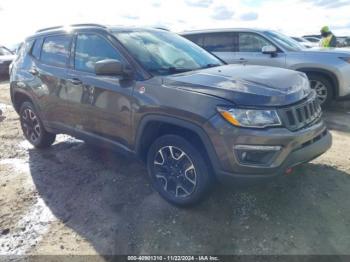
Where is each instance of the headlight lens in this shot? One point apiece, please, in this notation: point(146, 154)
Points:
point(250, 117)
point(346, 59)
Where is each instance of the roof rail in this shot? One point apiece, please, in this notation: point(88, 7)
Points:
point(73, 25)
point(161, 28)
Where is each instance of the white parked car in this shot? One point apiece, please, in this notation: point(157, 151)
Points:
point(6, 58)
point(306, 43)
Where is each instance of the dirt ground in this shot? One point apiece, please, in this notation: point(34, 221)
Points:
point(75, 199)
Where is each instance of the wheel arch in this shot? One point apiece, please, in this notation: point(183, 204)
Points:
point(18, 98)
point(153, 126)
point(326, 73)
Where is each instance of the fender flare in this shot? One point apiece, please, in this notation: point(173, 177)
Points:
point(182, 124)
point(16, 92)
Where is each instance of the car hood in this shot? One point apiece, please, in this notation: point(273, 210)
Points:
point(245, 85)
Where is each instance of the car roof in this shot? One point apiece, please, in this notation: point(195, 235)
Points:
point(75, 27)
point(223, 30)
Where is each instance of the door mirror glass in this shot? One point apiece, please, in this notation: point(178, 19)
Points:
point(269, 49)
point(111, 67)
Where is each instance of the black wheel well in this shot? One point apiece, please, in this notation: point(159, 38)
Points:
point(155, 129)
point(329, 75)
point(19, 99)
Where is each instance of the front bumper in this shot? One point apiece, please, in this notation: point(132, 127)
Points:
point(296, 147)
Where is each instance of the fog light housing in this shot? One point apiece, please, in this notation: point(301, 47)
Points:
point(256, 155)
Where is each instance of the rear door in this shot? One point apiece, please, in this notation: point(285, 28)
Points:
point(250, 51)
point(105, 101)
point(50, 56)
point(221, 45)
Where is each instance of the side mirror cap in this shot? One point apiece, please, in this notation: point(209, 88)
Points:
point(269, 49)
point(112, 67)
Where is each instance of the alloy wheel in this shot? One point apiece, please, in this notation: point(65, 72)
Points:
point(321, 90)
point(175, 172)
point(30, 125)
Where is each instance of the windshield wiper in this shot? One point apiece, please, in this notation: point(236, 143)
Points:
point(210, 65)
point(178, 69)
point(172, 70)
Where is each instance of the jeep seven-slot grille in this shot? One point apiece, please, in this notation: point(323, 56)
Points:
point(301, 115)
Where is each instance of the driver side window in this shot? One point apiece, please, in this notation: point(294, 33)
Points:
point(91, 49)
point(250, 42)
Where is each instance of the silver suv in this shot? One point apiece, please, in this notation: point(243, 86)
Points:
point(328, 69)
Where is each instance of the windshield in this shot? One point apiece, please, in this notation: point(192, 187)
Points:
point(285, 41)
point(163, 52)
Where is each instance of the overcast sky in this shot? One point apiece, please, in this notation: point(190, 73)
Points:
point(18, 18)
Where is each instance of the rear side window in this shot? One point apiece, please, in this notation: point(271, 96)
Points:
point(218, 42)
point(36, 50)
point(197, 39)
point(250, 42)
point(92, 48)
point(55, 50)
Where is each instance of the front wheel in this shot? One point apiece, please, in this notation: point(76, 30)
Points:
point(323, 88)
point(33, 128)
point(178, 170)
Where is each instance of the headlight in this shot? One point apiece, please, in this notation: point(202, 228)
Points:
point(250, 117)
point(346, 59)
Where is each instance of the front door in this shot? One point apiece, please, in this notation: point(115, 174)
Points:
point(106, 100)
point(250, 51)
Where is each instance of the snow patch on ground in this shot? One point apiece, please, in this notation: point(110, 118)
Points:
point(28, 231)
point(19, 165)
point(4, 107)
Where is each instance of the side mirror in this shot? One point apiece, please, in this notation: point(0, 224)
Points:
point(112, 67)
point(269, 50)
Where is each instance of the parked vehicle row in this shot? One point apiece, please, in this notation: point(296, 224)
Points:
point(153, 94)
point(305, 43)
point(327, 70)
point(6, 58)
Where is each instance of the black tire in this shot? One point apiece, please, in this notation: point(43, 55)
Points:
point(196, 181)
point(326, 92)
point(32, 127)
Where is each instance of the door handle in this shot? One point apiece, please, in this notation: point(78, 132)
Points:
point(75, 81)
point(33, 71)
point(242, 60)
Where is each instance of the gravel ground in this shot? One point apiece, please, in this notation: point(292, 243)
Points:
point(75, 199)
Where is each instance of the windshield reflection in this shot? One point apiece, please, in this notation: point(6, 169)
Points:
point(286, 42)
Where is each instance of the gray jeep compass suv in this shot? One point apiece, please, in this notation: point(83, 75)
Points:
point(155, 95)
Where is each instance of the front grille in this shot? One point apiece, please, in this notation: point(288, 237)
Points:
point(301, 115)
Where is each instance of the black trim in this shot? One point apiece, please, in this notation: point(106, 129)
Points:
point(180, 123)
point(89, 137)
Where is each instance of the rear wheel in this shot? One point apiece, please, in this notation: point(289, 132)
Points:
point(33, 128)
point(178, 171)
point(323, 88)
